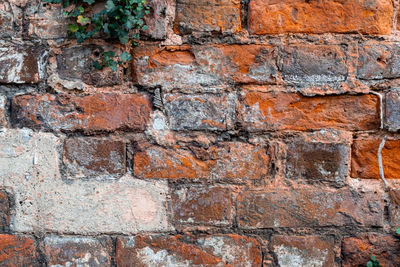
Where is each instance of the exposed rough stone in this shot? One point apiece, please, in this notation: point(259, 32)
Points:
point(75, 63)
point(200, 112)
point(314, 64)
point(227, 160)
point(94, 157)
point(3, 120)
point(392, 115)
point(77, 251)
point(92, 113)
point(208, 16)
point(317, 162)
point(378, 61)
point(364, 160)
point(22, 63)
point(185, 251)
point(298, 251)
point(4, 210)
point(157, 21)
point(44, 202)
point(366, 17)
point(17, 251)
point(202, 205)
point(7, 21)
point(204, 68)
point(356, 251)
point(47, 22)
point(271, 111)
point(308, 207)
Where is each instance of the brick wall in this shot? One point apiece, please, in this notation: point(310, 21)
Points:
point(245, 133)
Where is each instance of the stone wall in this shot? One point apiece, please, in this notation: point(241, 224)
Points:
point(246, 133)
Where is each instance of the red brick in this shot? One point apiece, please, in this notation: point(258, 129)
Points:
point(92, 113)
point(3, 120)
point(392, 110)
point(200, 112)
point(308, 207)
point(77, 251)
point(87, 157)
point(303, 250)
point(258, 111)
point(364, 160)
point(228, 160)
point(356, 251)
point(317, 162)
point(208, 16)
point(313, 65)
point(378, 60)
point(22, 63)
point(200, 250)
point(302, 16)
point(17, 251)
point(206, 67)
point(202, 205)
point(4, 210)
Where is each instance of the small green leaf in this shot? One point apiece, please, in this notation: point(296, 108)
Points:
point(81, 9)
point(89, 1)
point(373, 258)
point(73, 28)
point(398, 231)
point(370, 264)
point(125, 56)
point(82, 20)
point(109, 5)
point(97, 65)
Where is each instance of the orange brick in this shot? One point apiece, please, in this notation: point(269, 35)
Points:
point(364, 160)
point(208, 16)
point(17, 251)
point(290, 111)
point(321, 16)
point(98, 112)
point(228, 160)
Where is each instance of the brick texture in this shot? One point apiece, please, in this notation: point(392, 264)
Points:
point(364, 162)
point(271, 111)
point(17, 251)
point(93, 113)
point(203, 250)
point(228, 160)
point(272, 17)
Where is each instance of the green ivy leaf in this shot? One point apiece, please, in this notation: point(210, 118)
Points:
point(398, 231)
point(73, 28)
point(125, 56)
point(82, 20)
point(373, 258)
point(370, 264)
point(89, 1)
point(97, 65)
point(109, 5)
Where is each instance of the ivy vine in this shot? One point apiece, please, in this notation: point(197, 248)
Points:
point(119, 19)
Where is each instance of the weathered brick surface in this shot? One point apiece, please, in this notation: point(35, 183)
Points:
point(200, 112)
point(364, 160)
point(22, 63)
point(77, 251)
point(303, 250)
point(7, 28)
point(46, 22)
point(361, 16)
point(202, 205)
point(356, 251)
point(201, 250)
point(392, 110)
point(378, 61)
point(308, 207)
point(76, 63)
point(258, 111)
point(3, 121)
point(157, 21)
point(228, 160)
point(317, 162)
point(208, 16)
point(204, 68)
point(88, 157)
point(314, 64)
point(92, 113)
point(17, 251)
point(4, 210)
